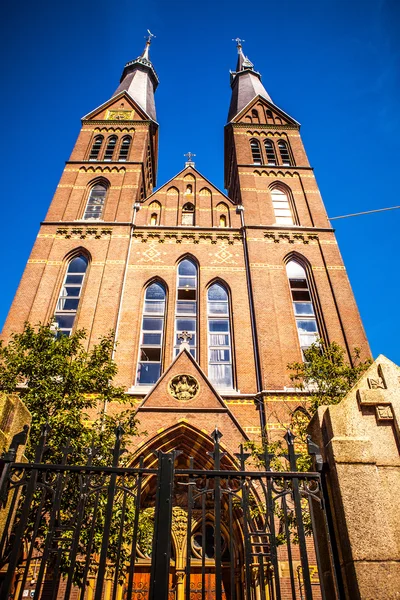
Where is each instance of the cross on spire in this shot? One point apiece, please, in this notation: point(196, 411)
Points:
point(189, 162)
point(238, 42)
point(149, 37)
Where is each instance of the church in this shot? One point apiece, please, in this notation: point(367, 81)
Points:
point(210, 293)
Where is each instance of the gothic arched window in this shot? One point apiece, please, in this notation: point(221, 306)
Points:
point(94, 152)
point(111, 143)
point(151, 335)
point(302, 304)
point(282, 208)
point(223, 221)
point(219, 337)
point(255, 116)
point(155, 212)
point(71, 290)
point(284, 152)
point(270, 152)
point(186, 305)
point(124, 148)
point(95, 204)
point(256, 152)
point(188, 214)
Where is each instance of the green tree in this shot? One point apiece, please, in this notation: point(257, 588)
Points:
point(326, 376)
point(67, 387)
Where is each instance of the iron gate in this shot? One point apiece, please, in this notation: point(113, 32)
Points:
point(161, 532)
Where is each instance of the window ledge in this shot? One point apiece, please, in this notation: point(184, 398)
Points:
point(141, 390)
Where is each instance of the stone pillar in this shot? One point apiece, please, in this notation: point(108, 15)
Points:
point(360, 443)
point(13, 417)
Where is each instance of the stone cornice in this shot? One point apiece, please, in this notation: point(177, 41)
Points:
point(264, 126)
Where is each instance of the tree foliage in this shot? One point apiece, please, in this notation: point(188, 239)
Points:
point(66, 387)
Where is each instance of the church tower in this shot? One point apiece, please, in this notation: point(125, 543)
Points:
point(222, 290)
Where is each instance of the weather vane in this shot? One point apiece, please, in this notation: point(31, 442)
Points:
point(148, 37)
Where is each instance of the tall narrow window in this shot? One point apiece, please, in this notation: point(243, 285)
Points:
point(68, 300)
point(280, 202)
point(94, 152)
point(151, 336)
point(302, 304)
point(222, 221)
point(186, 305)
point(284, 152)
point(124, 148)
point(111, 142)
point(95, 203)
point(219, 337)
point(254, 116)
point(256, 152)
point(188, 214)
point(270, 152)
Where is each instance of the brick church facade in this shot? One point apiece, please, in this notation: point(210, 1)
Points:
point(210, 294)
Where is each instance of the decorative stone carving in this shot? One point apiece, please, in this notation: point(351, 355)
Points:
point(384, 413)
point(179, 525)
point(183, 387)
point(376, 384)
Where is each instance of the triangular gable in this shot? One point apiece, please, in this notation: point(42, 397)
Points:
point(269, 105)
point(184, 172)
point(121, 103)
point(202, 400)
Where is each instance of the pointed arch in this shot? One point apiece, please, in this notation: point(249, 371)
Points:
point(222, 211)
point(125, 148)
point(285, 152)
point(301, 286)
point(97, 194)
point(186, 306)
point(219, 335)
point(256, 152)
point(154, 213)
point(188, 214)
point(77, 262)
point(283, 204)
point(270, 152)
point(110, 148)
point(96, 147)
point(149, 364)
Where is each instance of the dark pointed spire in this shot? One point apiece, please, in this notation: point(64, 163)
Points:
point(140, 80)
point(245, 83)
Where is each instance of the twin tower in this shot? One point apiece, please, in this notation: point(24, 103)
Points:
point(210, 295)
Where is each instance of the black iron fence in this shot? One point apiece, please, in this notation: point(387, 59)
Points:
point(173, 530)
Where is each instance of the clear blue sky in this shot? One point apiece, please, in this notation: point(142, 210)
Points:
point(332, 64)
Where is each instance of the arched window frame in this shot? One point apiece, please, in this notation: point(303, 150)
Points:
point(124, 148)
point(110, 148)
point(283, 205)
point(219, 338)
point(255, 117)
point(222, 212)
point(155, 213)
point(186, 304)
point(255, 147)
point(188, 214)
point(303, 302)
point(96, 200)
point(151, 342)
point(285, 153)
point(70, 293)
point(270, 152)
point(96, 147)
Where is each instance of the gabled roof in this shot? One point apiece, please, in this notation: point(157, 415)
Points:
point(184, 363)
point(111, 101)
point(190, 169)
point(267, 103)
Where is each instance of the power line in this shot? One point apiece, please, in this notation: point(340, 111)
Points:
point(366, 212)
